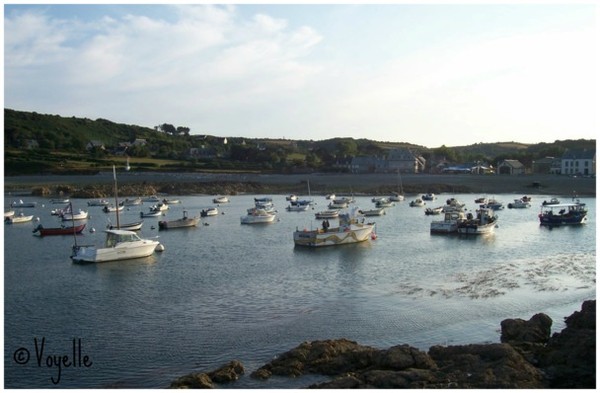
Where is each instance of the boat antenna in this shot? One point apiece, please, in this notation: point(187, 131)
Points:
point(116, 197)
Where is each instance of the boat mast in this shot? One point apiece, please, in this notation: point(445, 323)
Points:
point(116, 197)
point(72, 222)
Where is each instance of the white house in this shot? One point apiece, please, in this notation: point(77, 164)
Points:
point(578, 162)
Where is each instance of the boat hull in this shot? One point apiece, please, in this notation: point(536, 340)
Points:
point(91, 254)
point(250, 219)
point(557, 220)
point(333, 237)
point(59, 231)
point(181, 223)
point(476, 229)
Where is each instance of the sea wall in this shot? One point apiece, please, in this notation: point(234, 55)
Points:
point(526, 358)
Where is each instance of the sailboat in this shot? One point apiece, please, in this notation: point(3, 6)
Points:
point(399, 195)
point(303, 202)
point(127, 167)
point(120, 244)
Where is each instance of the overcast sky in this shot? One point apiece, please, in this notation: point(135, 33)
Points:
point(425, 74)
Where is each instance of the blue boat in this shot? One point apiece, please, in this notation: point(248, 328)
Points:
point(563, 214)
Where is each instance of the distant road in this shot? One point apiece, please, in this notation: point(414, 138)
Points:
point(347, 183)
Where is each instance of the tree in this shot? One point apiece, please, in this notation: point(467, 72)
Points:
point(183, 131)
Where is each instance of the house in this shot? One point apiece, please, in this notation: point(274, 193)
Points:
point(546, 165)
point(578, 162)
point(139, 142)
point(404, 161)
point(364, 164)
point(31, 144)
point(510, 167)
point(94, 144)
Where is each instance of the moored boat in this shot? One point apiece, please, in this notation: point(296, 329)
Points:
point(326, 214)
point(112, 208)
point(552, 201)
point(417, 203)
point(519, 204)
point(18, 218)
point(221, 199)
point(432, 211)
point(98, 202)
point(209, 211)
point(483, 223)
point(132, 202)
point(563, 214)
point(183, 222)
point(449, 224)
point(119, 245)
point(378, 211)
point(297, 207)
point(257, 216)
point(63, 230)
point(428, 197)
point(349, 231)
point(132, 226)
point(70, 216)
point(20, 204)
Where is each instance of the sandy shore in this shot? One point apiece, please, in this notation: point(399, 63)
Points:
point(321, 183)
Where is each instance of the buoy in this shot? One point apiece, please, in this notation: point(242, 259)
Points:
point(206, 224)
point(160, 247)
point(37, 219)
point(92, 230)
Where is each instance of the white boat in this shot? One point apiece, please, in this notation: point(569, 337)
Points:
point(453, 204)
point(112, 208)
point(161, 207)
point(396, 197)
point(132, 226)
point(553, 201)
point(519, 204)
point(9, 214)
point(336, 204)
point(291, 198)
point(483, 223)
point(151, 213)
point(18, 218)
point(171, 201)
point(132, 202)
point(428, 197)
point(21, 204)
point(326, 214)
point(378, 211)
point(209, 211)
point(80, 215)
point(120, 245)
point(98, 202)
point(330, 196)
point(385, 202)
point(221, 199)
point(183, 222)
point(258, 216)
point(493, 204)
point(297, 208)
point(59, 201)
point(417, 203)
point(449, 224)
point(349, 231)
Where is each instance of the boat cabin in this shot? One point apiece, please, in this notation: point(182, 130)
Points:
point(117, 236)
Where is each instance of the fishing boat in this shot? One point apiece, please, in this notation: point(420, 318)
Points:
point(349, 231)
point(563, 214)
point(327, 214)
point(493, 204)
point(18, 218)
point(183, 222)
point(62, 230)
point(152, 213)
point(209, 211)
point(257, 216)
point(338, 204)
point(119, 245)
point(553, 201)
point(483, 223)
point(449, 224)
point(297, 207)
point(385, 202)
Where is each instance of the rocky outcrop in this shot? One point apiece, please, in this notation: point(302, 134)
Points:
point(527, 358)
point(227, 373)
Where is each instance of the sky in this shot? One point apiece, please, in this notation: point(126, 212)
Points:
point(427, 74)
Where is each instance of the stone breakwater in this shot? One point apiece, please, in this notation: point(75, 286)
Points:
point(526, 358)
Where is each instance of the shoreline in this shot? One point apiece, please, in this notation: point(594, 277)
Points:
point(145, 183)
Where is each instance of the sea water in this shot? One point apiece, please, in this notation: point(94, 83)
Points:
point(224, 291)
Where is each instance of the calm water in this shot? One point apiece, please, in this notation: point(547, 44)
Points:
point(227, 291)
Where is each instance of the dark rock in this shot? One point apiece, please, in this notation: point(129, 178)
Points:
point(536, 330)
point(193, 381)
point(485, 366)
point(569, 359)
point(227, 373)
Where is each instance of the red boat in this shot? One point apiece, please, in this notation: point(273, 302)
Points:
point(59, 231)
